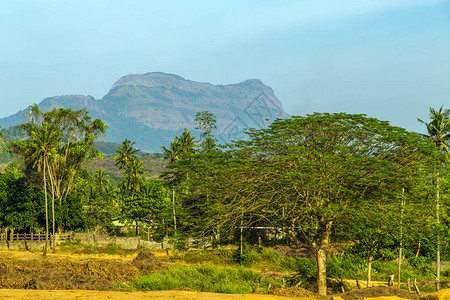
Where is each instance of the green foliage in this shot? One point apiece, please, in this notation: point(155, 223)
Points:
point(342, 267)
point(418, 261)
point(212, 279)
point(248, 257)
point(215, 257)
point(21, 206)
point(179, 242)
point(446, 272)
point(305, 267)
point(142, 200)
point(75, 247)
point(13, 133)
point(206, 123)
point(422, 271)
point(60, 143)
point(319, 176)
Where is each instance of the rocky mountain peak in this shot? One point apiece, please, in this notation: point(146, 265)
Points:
point(154, 79)
point(152, 108)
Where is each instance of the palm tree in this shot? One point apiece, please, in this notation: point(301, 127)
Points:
point(187, 143)
point(172, 154)
point(133, 174)
point(101, 179)
point(179, 148)
point(125, 154)
point(124, 158)
point(439, 132)
point(39, 152)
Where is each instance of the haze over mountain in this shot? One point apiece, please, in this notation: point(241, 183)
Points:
point(152, 108)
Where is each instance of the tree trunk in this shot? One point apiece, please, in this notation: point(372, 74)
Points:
point(438, 242)
point(174, 215)
point(321, 256)
point(418, 247)
point(46, 210)
point(369, 271)
point(401, 240)
point(52, 185)
point(137, 230)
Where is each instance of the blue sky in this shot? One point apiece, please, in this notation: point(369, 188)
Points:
point(386, 59)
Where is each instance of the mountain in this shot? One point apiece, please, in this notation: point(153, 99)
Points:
point(152, 108)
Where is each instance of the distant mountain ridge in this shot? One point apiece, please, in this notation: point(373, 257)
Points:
point(152, 108)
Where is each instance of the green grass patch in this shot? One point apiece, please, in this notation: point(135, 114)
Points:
point(214, 279)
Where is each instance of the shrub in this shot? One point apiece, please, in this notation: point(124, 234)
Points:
point(112, 247)
point(342, 267)
point(271, 256)
point(247, 258)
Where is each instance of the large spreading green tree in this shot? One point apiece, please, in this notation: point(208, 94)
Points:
point(302, 175)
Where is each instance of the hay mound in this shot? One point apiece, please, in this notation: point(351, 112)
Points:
point(109, 270)
point(377, 291)
point(49, 279)
point(292, 292)
point(147, 262)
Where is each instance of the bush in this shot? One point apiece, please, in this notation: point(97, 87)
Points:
point(158, 237)
point(420, 270)
point(342, 267)
point(417, 261)
point(270, 256)
point(112, 247)
point(179, 243)
point(445, 273)
point(306, 267)
point(247, 258)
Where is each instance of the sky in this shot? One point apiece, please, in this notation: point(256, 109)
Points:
point(389, 59)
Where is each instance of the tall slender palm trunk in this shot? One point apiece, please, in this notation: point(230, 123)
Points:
point(46, 209)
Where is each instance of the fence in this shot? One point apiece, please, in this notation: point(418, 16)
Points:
point(10, 236)
point(12, 240)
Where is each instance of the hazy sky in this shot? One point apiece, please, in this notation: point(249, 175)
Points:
point(386, 58)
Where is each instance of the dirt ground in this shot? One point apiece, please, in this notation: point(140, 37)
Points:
point(100, 295)
point(29, 275)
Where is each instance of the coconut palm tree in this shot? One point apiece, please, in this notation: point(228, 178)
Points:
point(187, 143)
point(438, 130)
point(101, 179)
point(39, 152)
point(124, 158)
point(133, 175)
point(125, 153)
point(172, 153)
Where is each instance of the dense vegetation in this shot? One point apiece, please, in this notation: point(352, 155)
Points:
point(339, 184)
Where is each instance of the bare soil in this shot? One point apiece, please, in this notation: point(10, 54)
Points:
point(25, 275)
point(34, 271)
point(377, 291)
